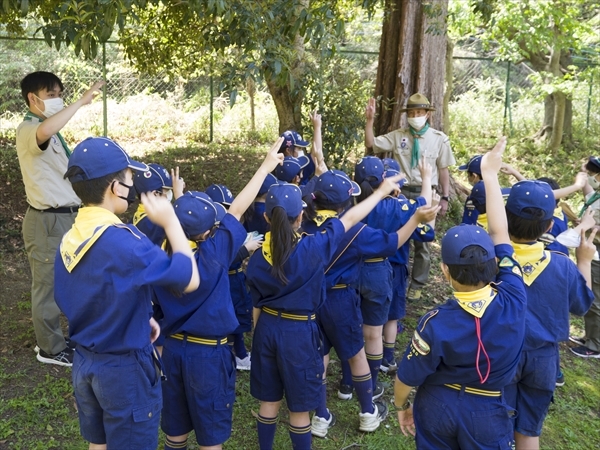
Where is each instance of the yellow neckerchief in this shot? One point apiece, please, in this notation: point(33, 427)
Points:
point(558, 213)
point(323, 215)
point(193, 245)
point(476, 302)
point(139, 214)
point(533, 260)
point(482, 221)
point(89, 225)
point(266, 247)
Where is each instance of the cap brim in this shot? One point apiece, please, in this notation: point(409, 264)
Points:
point(221, 211)
point(420, 107)
point(137, 165)
point(463, 167)
point(303, 160)
point(355, 188)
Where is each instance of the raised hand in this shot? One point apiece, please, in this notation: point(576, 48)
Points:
point(425, 169)
point(370, 110)
point(273, 157)
point(390, 185)
point(586, 249)
point(178, 183)
point(426, 214)
point(315, 118)
point(158, 208)
point(89, 95)
point(492, 160)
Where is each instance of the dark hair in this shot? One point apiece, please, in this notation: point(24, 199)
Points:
point(527, 229)
point(91, 192)
point(283, 241)
point(320, 202)
point(36, 81)
point(481, 208)
point(591, 167)
point(552, 182)
point(476, 174)
point(474, 274)
point(366, 188)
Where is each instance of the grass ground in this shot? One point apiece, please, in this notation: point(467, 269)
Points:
point(36, 403)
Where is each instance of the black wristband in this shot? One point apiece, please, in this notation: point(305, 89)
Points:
point(445, 198)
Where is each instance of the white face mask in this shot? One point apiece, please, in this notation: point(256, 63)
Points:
point(169, 194)
point(52, 106)
point(300, 153)
point(417, 122)
point(595, 184)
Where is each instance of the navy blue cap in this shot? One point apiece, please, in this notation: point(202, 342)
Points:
point(392, 173)
point(270, 180)
point(474, 165)
point(291, 168)
point(288, 196)
point(391, 164)
point(292, 139)
point(369, 166)
point(531, 194)
point(220, 193)
point(595, 161)
point(458, 238)
point(100, 156)
point(155, 178)
point(197, 212)
point(336, 186)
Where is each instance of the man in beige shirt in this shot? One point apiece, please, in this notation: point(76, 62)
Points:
point(407, 147)
point(43, 157)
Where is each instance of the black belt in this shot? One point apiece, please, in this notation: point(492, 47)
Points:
point(61, 210)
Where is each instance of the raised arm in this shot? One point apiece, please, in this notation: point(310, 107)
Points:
point(248, 194)
point(426, 174)
point(496, 214)
point(370, 116)
point(578, 184)
point(507, 169)
point(317, 144)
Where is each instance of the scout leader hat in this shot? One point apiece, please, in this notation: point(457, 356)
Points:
point(197, 213)
point(291, 168)
point(531, 194)
point(418, 101)
point(98, 157)
point(287, 196)
point(336, 186)
point(220, 193)
point(458, 238)
point(292, 139)
point(369, 166)
point(473, 166)
point(155, 178)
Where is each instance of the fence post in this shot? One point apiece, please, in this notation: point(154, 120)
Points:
point(507, 102)
point(589, 102)
point(211, 109)
point(104, 89)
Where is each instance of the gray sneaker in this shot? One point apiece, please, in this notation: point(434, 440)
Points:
point(370, 422)
point(64, 358)
point(320, 426)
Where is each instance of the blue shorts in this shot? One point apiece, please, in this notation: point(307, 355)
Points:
point(399, 283)
point(376, 292)
point(532, 389)
point(287, 358)
point(118, 398)
point(199, 391)
point(340, 320)
point(446, 418)
point(242, 302)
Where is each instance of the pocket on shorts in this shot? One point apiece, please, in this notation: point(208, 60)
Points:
point(431, 414)
point(544, 375)
point(145, 413)
point(148, 368)
point(302, 355)
point(203, 373)
point(116, 385)
point(491, 426)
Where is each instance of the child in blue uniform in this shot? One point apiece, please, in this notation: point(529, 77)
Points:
point(339, 316)
point(200, 387)
point(463, 353)
point(473, 168)
point(291, 169)
point(555, 287)
point(286, 281)
point(103, 274)
point(242, 303)
point(254, 217)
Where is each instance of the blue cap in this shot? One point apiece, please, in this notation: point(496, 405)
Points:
point(220, 193)
point(369, 166)
point(336, 186)
point(291, 168)
point(286, 195)
point(474, 165)
point(458, 238)
point(292, 139)
point(155, 178)
point(391, 164)
point(270, 180)
point(531, 194)
point(98, 157)
point(392, 173)
point(197, 212)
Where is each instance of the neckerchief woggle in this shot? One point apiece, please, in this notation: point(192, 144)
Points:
point(323, 215)
point(414, 159)
point(29, 115)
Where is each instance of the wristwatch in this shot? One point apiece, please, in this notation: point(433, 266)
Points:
point(445, 198)
point(404, 407)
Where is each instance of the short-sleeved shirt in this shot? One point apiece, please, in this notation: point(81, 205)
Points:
point(43, 170)
point(208, 311)
point(304, 269)
point(434, 145)
point(107, 295)
point(443, 349)
point(154, 232)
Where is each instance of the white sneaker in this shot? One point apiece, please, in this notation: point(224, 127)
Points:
point(319, 426)
point(243, 364)
point(370, 422)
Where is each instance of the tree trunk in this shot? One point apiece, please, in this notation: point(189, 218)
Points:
point(449, 85)
point(251, 89)
point(559, 103)
point(412, 56)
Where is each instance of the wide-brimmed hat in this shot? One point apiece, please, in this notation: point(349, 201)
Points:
point(418, 101)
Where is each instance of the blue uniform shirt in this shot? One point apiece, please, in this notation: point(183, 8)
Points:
point(560, 225)
point(106, 297)
point(304, 270)
point(154, 232)
point(208, 311)
point(443, 349)
point(423, 233)
point(257, 222)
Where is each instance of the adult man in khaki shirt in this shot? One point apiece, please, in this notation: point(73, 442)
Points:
point(43, 157)
point(407, 147)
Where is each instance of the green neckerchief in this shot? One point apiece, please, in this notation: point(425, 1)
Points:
point(414, 160)
point(595, 196)
point(31, 115)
